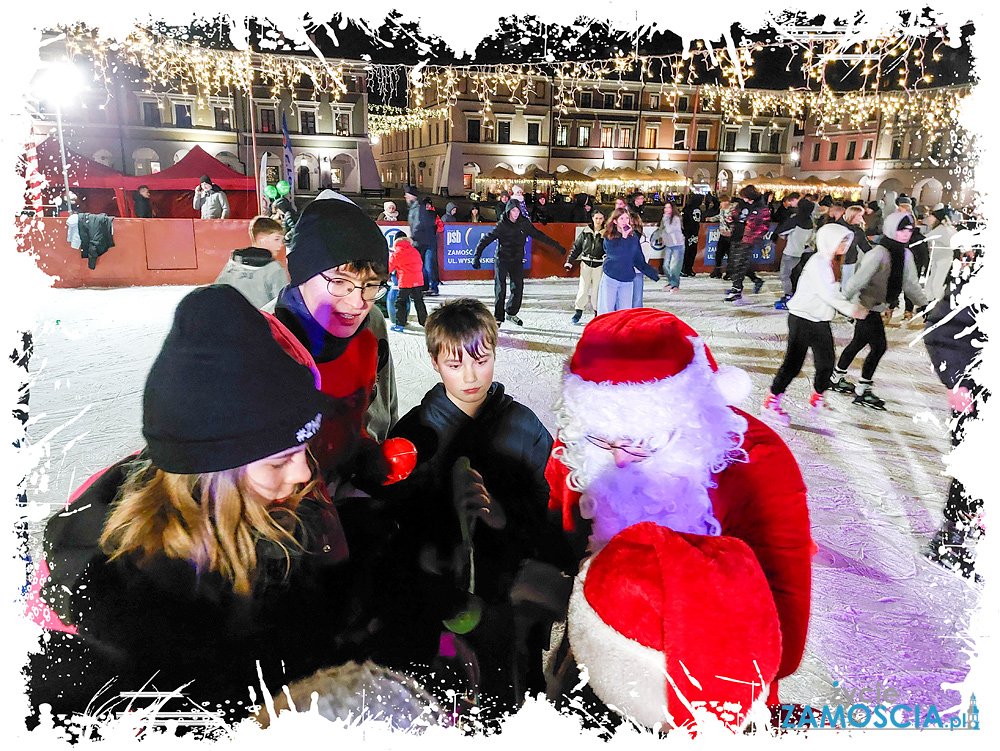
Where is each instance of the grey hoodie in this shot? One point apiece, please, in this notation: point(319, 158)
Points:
point(448, 216)
point(213, 205)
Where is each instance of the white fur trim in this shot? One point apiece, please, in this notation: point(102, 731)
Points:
point(733, 383)
point(623, 673)
point(639, 409)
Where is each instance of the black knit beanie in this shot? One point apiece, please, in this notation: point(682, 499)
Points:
point(222, 392)
point(331, 233)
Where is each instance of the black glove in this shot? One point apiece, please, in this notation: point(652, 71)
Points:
point(475, 264)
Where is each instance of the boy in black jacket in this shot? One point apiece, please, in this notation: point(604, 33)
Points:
point(518, 553)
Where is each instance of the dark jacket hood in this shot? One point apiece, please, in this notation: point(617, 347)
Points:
point(252, 256)
point(803, 214)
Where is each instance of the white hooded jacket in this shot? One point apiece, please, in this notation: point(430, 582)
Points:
point(817, 296)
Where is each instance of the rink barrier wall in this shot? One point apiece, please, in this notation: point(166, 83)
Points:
point(151, 252)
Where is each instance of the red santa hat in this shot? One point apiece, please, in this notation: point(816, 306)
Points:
point(631, 360)
point(669, 624)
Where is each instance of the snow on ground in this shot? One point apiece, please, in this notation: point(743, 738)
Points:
point(875, 479)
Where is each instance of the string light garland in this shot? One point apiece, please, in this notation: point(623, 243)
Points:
point(383, 121)
point(173, 65)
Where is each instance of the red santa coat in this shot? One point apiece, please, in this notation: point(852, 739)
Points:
point(761, 502)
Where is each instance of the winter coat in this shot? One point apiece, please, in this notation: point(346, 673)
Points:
point(511, 238)
point(583, 205)
point(750, 221)
point(143, 207)
point(255, 273)
point(859, 245)
point(691, 216)
point(423, 226)
point(817, 295)
point(166, 623)
point(623, 258)
point(541, 214)
point(405, 261)
point(942, 254)
point(448, 216)
point(668, 234)
point(358, 372)
point(214, 205)
point(383, 217)
point(954, 341)
point(96, 236)
point(589, 248)
point(868, 286)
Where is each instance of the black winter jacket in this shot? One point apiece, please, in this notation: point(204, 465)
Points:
point(589, 248)
point(511, 238)
point(167, 619)
point(96, 237)
point(423, 226)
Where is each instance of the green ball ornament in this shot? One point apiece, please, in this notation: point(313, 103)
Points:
point(271, 192)
point(283, 188)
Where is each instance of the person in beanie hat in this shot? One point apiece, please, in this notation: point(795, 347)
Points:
point(215, 549)
point(423, 235)
point(339, 266)
point(648, 434)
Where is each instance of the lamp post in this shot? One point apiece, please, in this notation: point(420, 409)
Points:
point(58, 85)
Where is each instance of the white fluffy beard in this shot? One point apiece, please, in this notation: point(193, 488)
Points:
point(650, 490)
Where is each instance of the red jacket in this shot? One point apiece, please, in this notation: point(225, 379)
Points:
point(405, 260)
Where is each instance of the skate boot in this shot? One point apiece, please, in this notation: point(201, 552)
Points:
point(782, 304)
point(843, 386)
point(717, 274)
point(772, 411)
point(868, 399)
point(734, 294)
point(576, 316)
point(820, 408)
point(515, 320)
point(951, 548)
point(758, 285)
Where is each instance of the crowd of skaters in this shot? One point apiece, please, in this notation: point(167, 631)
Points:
point(224, 520)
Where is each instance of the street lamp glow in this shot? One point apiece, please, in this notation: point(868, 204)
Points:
point(60, 83)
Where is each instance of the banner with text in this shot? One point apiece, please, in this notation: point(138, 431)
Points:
point(763, 251)
point(460, 247)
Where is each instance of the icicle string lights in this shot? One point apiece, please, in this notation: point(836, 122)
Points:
point(172, 64)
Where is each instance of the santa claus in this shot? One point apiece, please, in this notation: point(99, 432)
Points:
point(695, 597)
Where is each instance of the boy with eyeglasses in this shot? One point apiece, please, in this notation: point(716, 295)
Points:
point(339, 266)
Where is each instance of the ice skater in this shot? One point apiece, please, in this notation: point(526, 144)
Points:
point(623, 256)
point(810, 310)
point(589, 248)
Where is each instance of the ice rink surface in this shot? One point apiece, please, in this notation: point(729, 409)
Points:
point(876, 485)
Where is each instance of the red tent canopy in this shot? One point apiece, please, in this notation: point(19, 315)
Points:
point(83, 172)
point(185, 174)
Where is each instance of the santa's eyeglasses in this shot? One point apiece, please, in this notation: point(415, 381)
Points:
point(637, 450)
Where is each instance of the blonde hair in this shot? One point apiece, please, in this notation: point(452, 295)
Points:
point(204, 519)
point(852, 213)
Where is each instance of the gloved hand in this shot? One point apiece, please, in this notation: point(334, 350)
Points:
point(544, 585)
point(568, 266)
point(475, 264)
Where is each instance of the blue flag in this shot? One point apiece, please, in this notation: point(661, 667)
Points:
point(288, 160)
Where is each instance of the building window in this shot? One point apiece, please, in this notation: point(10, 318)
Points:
point(852, 150)
point(654, 101)
point(151, 114)
point(562, 135)
point(868, 150)
point(731, 140)
point(624, 138)
point(307, 123)
point(609, 101)
point(467, 181)
point(182, 115)
point(815, 153)
point(268, 120)
point(834, 149)
point(897, 147)
point(342, 123)
point(649, 141)
point(682, 104)
point(628, 101)
point(446, 130)
point(586, 99)
point(473, 135)
point(935, 149)
point(775, 143)
point(534, 129)
point(680, 138)
point(223, 118)
point(503, 131)
point(755, 141)
point(583, 135)
point(607, 137)
point(702, 144)
point(303, 178)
